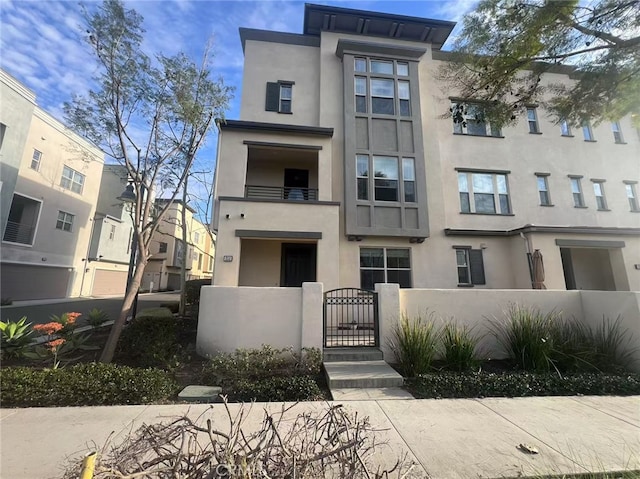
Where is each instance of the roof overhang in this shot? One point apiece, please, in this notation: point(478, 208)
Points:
point(274, 127)
point(319, 18)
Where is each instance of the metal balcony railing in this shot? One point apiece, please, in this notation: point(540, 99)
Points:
point(19, 233)
point(281, 193)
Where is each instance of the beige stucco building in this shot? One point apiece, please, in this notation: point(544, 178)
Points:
point(168, 251)
point(47, 229)
point(342, 170)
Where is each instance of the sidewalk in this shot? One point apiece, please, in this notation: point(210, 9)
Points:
point(448, 438)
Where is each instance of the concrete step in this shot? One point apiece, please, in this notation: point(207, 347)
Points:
point(351, 354)
point(361, 374)
point(370, 394)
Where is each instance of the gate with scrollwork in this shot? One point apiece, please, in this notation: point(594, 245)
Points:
point(351, 318)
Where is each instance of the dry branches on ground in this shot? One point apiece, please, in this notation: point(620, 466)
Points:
point(326, 443)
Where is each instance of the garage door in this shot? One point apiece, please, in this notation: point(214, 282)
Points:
point(21, 282)
point(107, 283)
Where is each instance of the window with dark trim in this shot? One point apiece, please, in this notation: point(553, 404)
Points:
point(630, 187)
point(543, 189)
point(617, 132)
point(65, 221)
point(470, 266)
point(576, 190)
point(279, 97)
point(385, 265)
point(162, 247)
point(598, 190)
point(532, 119)
point(72, 180)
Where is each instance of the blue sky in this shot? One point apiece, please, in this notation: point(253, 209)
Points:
point(43, 42)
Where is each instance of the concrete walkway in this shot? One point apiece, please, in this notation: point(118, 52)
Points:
point(448, 438)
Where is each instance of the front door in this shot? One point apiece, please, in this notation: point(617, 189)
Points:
point(296, 184)
point(298, 264)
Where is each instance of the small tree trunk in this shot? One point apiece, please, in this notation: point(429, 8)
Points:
point(116, 330)
point(183, 266)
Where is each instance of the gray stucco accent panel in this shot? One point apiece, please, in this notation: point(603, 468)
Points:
point(291, 146)
point(379, 50)
point(279, 234)
point(590, 243)
point(355, 224)
point(277, 37)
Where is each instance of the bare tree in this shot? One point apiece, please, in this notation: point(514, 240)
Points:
point(151, 116)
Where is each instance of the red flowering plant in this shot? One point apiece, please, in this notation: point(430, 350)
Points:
point(53, 345)
point(68, 322)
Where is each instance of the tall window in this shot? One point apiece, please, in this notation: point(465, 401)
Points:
point(587, 131)
point(385, 173)
point(65, 221)
point(112, 232)
point(72, 180)
point(483, 193)
point(362, 174)
point(470, 266)
point(598, 190)
point(196, 237)
point(576, 190)
point(385, 265)
point(532, 119)
point(361, 94)
point(630, 187)
point(617, 132)
point(35, 160)
point(543, 190)
point(409, 178)
point(565, 128)
point(405, 98)
point(470, 119)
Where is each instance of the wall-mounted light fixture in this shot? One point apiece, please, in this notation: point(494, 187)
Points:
point(241, 215)
point(227, 216)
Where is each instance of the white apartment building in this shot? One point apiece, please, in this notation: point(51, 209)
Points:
point(342, 170)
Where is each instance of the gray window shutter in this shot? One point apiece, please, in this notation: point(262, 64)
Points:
point(273, 97)
point(476, 264)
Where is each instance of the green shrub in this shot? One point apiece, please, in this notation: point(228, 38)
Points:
point(173, 306)
point(276, 389)
point(192, 290)
point(150, 341)
point(91, 384)
point(256, 364)
point(459, 347)
point(517, 384)
point(154, 313)
point(527, 337)
point(97, 317)
point(414, 344)
point(612, 345)
point(15, 337)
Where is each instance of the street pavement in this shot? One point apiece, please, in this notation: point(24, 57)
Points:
point(40, 311)
point(445, 438)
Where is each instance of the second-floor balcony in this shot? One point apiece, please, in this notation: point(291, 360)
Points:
point(19, 233)
point(281, 193)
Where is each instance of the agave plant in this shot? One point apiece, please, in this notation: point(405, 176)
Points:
point(15, 337)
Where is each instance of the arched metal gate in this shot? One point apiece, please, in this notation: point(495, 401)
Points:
point(351, 318)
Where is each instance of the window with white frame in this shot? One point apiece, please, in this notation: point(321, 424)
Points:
point(279, 96)
point(362, 175)
point(112, 232)
point(543, 189)
point(361, 94)
point(385, 174)
point(196, 237)
point(576, 190)
point(72, 180)
point(382, 66)
point(403, 69)
point(532, 120)
point(380, 88)
point(598, 190)
point(385, 265)
point(484, 193)
point(470, 119)
point(587, 132)
point(470, 266)
point(360, 64)
point(565, 128)
point(617, 132)
point(35, 160)
point(65, 221)
point(630, 187)
point(404, 97)
point(409, 179)
point(286, 91)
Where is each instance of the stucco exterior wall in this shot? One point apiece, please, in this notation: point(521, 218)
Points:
point(53, 247)
point(260, 262)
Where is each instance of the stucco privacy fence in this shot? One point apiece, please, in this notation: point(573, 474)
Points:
point(247, 317)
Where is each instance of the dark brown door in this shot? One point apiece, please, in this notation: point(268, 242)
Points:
point(298, 264)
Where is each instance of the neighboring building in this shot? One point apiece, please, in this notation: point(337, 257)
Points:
point(168, 251)
point(110, 249)
point(342, 170)
point(46, 232)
